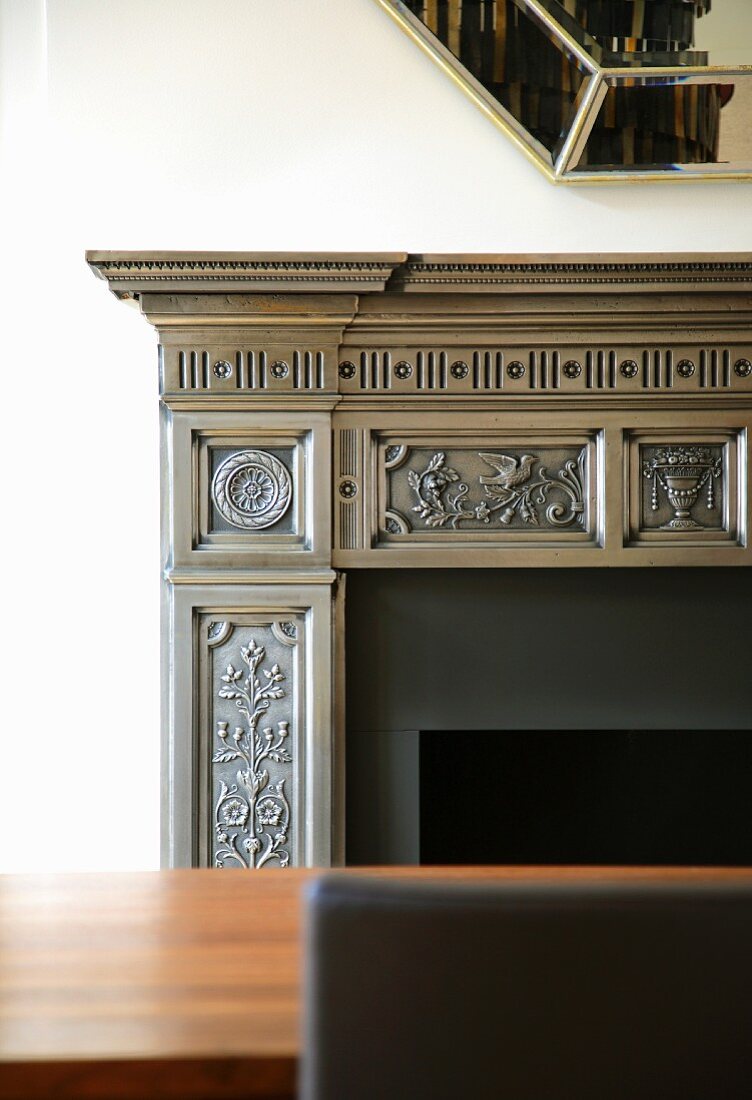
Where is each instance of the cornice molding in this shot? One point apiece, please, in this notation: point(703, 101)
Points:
point(622, 325)
point(131, 274)
point(638, 272)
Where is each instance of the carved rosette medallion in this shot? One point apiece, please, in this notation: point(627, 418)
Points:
point(252, 490)
point(252, 760)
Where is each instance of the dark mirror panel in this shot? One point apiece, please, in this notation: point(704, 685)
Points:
point(670, 125)
point(541, 61)
point(521, 63)
point(658, 124)
point(536, 648)
point(632, 26)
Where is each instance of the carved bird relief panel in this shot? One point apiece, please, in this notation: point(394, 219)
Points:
point(495, 488)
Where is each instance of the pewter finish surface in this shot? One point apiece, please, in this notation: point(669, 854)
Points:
point(685, 486)
point(253, 754)
point(399, 437)
point(234, 790)
point(507, 489)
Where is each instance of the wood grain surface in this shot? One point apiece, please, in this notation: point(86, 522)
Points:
point(171, 983)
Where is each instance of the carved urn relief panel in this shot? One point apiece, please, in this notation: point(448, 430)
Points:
point(335, 412)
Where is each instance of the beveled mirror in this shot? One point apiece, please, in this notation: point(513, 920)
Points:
point(602, 90)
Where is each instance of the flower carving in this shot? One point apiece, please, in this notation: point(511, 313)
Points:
point(234, 812)
point(268, 812)
point(252, 815)
point(429, 487)
point(251, 489)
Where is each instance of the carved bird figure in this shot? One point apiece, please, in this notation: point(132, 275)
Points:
point(512, 471)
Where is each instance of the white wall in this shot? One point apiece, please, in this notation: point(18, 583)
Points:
point(246, 124)
point(726, 29)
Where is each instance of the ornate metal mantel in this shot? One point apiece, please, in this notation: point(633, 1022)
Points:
point(332, 412)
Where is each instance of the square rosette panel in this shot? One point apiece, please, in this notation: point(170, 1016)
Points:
point(249, 489)
point(251, 492)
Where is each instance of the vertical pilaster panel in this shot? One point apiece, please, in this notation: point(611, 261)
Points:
point(249, 745)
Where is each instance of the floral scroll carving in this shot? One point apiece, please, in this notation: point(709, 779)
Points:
point(519, 489)
point(252, 815)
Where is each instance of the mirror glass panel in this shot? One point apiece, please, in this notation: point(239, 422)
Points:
point(563, 77)
point(676, 126)
point(515, 57)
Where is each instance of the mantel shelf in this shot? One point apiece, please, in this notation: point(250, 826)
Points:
point(132, 273)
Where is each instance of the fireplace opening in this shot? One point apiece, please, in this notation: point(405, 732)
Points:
point(653, 797)
point(630, 687)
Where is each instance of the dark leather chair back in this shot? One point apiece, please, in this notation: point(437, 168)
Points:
point(536, 991)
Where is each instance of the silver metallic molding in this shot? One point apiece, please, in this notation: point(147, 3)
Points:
point(243, 272)
point(248, 742)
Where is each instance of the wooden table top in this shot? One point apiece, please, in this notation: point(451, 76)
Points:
point(169, 983)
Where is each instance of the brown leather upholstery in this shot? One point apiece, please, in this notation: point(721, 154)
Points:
point(545, 991)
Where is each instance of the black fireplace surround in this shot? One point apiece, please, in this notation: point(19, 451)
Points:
point(594, 717)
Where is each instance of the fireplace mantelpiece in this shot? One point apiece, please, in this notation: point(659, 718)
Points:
point(332, 412)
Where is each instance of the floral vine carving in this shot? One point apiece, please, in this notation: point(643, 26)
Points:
point(252, 816)
point(430, 486)
point(514, 490)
